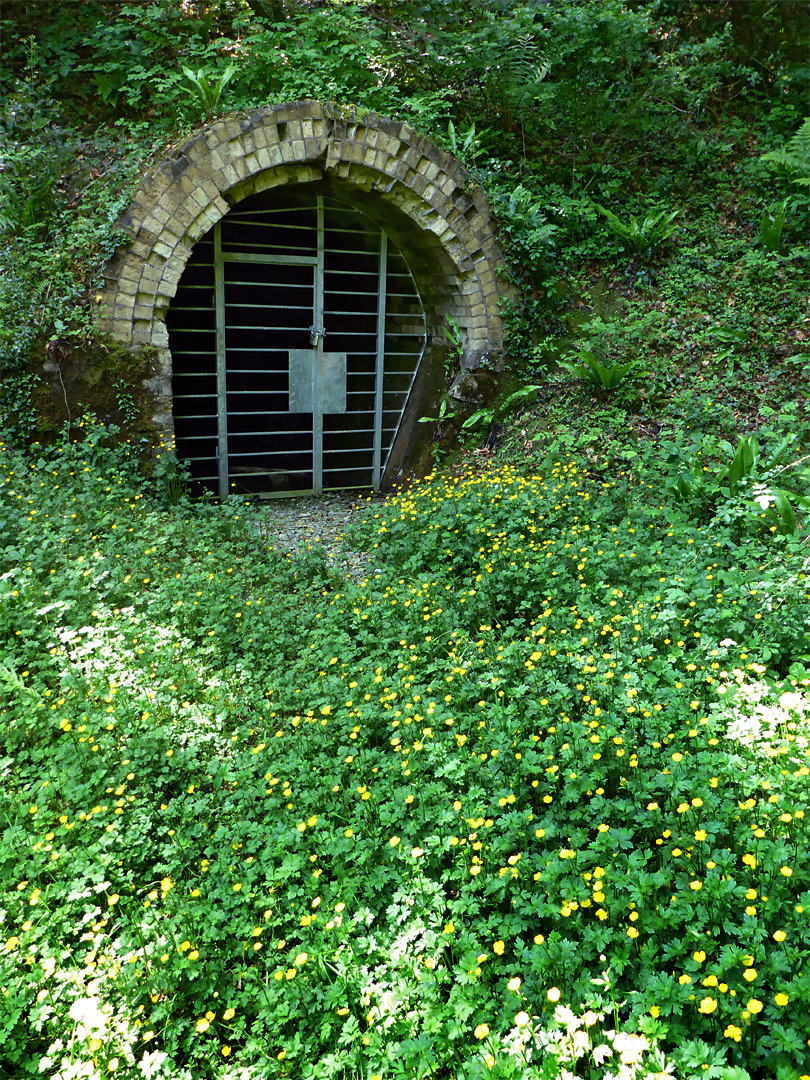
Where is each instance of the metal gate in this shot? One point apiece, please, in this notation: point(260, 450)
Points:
point(295, 334)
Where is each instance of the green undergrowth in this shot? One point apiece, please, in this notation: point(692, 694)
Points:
point(531, 801)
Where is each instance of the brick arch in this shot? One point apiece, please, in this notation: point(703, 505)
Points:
point(423, 197)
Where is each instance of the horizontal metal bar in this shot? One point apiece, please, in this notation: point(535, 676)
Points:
point(274, 286)
point(263, 307)
point(277, 260)
point(349, 273)
point(268, 412)
point(275, 253)
point(239, 215)
point(256, 227)
point(284, 309)
point(279, 348)
point(270, 454)
point(349, 310)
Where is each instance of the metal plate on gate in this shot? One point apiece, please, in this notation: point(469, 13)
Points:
point(331, 382)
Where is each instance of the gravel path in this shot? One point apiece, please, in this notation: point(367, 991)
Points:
point(302, 524)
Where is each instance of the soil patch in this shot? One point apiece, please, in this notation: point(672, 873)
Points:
point(310, 523)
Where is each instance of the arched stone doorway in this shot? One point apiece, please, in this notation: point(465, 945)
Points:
point(296, 334)
point(406, 204)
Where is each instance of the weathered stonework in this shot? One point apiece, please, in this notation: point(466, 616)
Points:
point(422, 197)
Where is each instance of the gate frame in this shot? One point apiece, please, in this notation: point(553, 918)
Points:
point(317, 263)
point(423, 198)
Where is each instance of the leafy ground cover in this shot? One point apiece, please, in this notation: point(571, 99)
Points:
point(530, 801)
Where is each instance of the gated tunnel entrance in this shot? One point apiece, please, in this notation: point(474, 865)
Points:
point(289, 275)
point(296, 333)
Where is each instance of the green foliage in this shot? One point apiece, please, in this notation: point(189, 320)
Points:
point(534, 776)
point(645, 236)
point(530, 233)
point(58, 209)
point(208, 93)
point(503, 407)
point(595, 374)
point(743, 484)
point(561, 107)
point(771, 226)
point(125, 401)
point(793, 159)
point(455, 341)
point(18, 418)
point(464, 145)
point(575, 694)
point(171, 477)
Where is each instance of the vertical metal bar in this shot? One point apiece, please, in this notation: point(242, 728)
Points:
point(222, 395)
point(416, 368)
point(317, 414)
point(382, 287)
